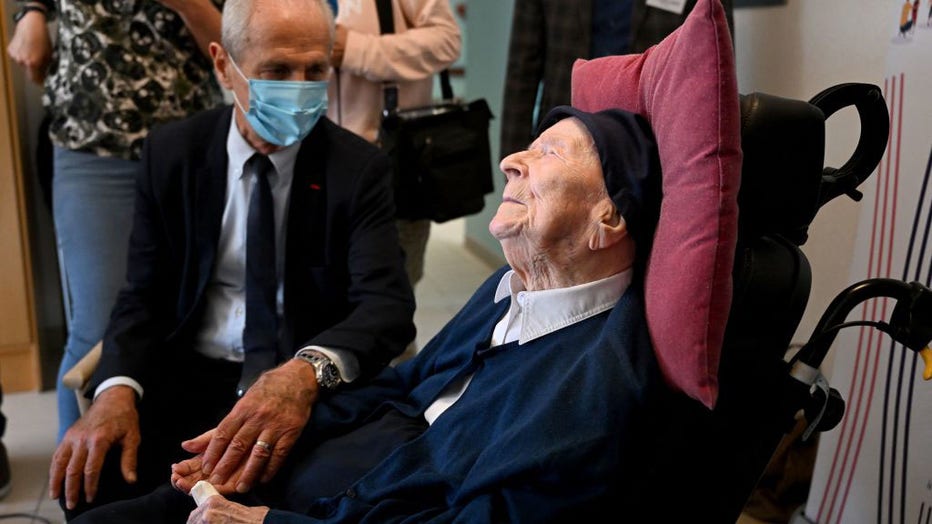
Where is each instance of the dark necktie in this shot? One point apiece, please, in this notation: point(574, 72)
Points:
point(260, 335)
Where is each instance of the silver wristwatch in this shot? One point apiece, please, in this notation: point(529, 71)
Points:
point(328, 375)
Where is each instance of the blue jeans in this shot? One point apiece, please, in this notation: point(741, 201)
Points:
point(93, 211)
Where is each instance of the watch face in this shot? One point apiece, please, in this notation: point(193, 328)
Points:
point(330, 378)
point(328, 374)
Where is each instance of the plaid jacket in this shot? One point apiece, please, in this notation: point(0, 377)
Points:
point(547, 36)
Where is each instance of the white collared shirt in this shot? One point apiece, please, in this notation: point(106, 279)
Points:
point(221, 334)
point(533, 314)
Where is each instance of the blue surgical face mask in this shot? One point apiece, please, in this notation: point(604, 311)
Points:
point(283, 111)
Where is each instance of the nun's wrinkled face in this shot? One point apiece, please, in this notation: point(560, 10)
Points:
point(551, 192)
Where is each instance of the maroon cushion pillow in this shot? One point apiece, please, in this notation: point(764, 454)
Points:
point(687, 89)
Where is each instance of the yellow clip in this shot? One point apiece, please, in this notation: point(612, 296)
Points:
point(927, 358)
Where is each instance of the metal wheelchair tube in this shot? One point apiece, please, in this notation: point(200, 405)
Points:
point(910, 323)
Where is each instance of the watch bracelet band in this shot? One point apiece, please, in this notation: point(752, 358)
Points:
point(48, 4)
point(32, 5)
point(26, 8)
point(319, 362)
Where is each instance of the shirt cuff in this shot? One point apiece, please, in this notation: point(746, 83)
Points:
point(342, 359)
point(118, 381)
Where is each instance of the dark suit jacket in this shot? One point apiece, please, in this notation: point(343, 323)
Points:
point(547, 36)
point(344, 283)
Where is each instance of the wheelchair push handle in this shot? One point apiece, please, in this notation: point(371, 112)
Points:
point(875, 127)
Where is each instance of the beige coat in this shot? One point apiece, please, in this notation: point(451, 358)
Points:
point(426, 40)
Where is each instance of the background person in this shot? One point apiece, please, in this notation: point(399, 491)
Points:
point(547, 36)
point(117, 69)
point(426, 41)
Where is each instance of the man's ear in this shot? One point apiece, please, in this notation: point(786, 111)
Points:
point(221, 60)
point(610, 229)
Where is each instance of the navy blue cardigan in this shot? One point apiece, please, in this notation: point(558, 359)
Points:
point(552, 430)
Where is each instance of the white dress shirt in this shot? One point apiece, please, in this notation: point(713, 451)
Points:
point(533, 314)
point(221, 334)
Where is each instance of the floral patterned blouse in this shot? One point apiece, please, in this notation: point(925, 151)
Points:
point(119, 68)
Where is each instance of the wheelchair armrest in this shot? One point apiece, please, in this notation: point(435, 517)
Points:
point(79, 375)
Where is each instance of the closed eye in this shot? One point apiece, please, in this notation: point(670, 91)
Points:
point(317, 71)
point(273, 73)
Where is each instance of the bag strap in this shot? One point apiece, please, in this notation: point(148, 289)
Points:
point(386, 21)
point(387, 26)
point(390, 89)
point(445, 87)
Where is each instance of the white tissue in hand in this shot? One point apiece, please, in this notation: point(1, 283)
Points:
point(202, 490)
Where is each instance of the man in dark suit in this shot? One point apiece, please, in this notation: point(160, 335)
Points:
point(547, 36)
point(319, 300)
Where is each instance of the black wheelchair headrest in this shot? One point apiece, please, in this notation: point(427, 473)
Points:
point(783, 182)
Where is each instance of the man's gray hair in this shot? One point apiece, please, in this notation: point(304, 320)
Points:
point(234, 32)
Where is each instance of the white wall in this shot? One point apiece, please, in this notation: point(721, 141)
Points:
point(797, 50)
point(489, 23)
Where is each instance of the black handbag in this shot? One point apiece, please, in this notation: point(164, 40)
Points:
point(440, 156)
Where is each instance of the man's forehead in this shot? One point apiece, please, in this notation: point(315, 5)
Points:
point(279, 43)
point(270, 20)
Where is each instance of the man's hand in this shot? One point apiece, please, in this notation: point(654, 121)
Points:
point(260, 430)
point(31, 47)
point(187, 473)
point(111, 420)
point(201, 17)
point(218, 510)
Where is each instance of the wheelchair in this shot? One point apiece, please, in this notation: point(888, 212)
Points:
point(706, 463)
